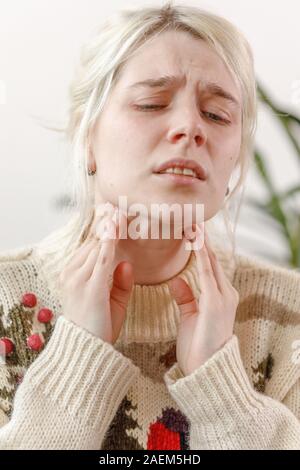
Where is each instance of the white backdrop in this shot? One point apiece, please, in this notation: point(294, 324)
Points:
point(39, 45)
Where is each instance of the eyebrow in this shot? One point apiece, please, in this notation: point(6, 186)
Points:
point(172, 80)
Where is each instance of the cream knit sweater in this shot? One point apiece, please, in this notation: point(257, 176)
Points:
point(79, 392)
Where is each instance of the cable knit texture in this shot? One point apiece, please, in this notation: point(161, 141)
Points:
point(79, 392)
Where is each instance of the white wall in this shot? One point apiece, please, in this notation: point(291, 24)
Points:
point(39, 44)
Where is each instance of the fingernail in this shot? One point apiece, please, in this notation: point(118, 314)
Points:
point(102, 228)
point(109, 232)
point(115, 215)
point(190, 232)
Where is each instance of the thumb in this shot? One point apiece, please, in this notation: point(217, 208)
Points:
point(122, 283)
point(119, 295)
point(183, 296)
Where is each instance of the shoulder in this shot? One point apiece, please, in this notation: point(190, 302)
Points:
point(21, 273)
point(16, 254)
point(256, 277)
point(251, 275)
point(253, 262)
point(20, 276)
point(13, 260)
point(24, 291)
point(18, 273)
point(268, 322)
point(268, 292)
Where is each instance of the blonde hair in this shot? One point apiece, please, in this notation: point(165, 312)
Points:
point(98, 70)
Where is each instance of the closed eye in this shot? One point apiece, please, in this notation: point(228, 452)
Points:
point(215, 117)
point(212, 116)
point(149, 106)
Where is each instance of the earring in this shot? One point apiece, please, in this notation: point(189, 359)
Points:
point(227, 191)
point(91, 172)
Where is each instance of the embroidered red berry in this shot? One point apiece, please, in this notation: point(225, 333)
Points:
point(35, 342)
point(29, 300)
point(6, 346)
point(45, 315)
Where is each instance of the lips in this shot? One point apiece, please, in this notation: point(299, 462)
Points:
point(183, 163)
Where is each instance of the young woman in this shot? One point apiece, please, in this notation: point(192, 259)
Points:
point(141, 343)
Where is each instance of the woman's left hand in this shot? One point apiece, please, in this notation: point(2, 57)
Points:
point(204, 326)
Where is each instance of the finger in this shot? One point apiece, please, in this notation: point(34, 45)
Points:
point(80, 255)
point(85, 256)
point(119, 217)
point(205, 270)
point(219, 273)
point(123, 281)
point(183, 296)
point(190, 233)
point(121, 220)
point(85, 271)
point(110, 237)
point(103, 265)
point(103, 229)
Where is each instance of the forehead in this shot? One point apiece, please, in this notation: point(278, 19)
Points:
point(177, 54)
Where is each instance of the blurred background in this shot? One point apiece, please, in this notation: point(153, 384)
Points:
point(39, 47)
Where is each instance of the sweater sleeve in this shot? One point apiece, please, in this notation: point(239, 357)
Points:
point(69, 394)
point(226, 412)
point(292, 399)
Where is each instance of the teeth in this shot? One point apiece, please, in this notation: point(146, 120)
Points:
point(181, 171)
point(188, 171)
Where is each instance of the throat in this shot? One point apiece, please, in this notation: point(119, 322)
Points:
point(154, 261)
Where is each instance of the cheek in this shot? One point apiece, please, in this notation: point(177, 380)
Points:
point(226, 151)
point(127, 132)
point(112, 146)
point(223, 163)
point(224, 171)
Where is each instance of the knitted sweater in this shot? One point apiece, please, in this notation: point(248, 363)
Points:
point(79, 392)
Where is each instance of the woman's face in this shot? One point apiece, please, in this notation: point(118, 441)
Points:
point(192, 120)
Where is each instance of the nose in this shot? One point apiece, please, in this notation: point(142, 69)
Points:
point(189, 128)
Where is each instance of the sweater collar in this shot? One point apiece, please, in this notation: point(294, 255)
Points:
point(152, 313)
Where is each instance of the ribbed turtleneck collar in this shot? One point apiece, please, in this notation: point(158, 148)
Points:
point(152, 313)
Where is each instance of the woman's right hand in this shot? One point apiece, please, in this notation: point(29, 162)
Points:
point(88, 299)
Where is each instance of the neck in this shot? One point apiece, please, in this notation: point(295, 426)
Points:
point(153, 261)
